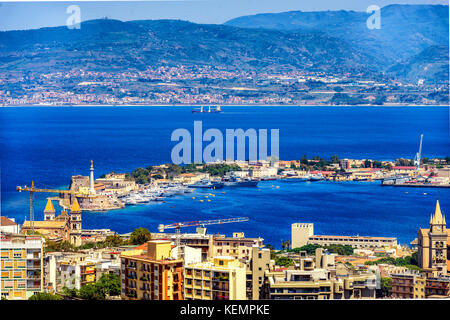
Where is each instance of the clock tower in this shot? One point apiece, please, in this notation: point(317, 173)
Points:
point(437, 236)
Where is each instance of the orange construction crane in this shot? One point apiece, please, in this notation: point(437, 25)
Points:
point(32, 190)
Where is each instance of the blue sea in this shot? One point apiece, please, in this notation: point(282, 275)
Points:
point(50, 144)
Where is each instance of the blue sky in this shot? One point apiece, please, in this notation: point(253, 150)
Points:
point(32, 15)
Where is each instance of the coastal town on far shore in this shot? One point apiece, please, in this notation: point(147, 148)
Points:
point(55, 258)
point(200, 85)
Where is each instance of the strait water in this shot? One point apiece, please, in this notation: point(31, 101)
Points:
point(48, 145)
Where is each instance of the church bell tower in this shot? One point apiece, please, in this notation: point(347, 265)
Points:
point(75, 223)
point(438, 241)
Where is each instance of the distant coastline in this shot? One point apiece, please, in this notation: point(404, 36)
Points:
point(225, 105)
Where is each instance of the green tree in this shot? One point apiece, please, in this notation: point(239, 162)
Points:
point(140, 236)
point(44, 296)
point(386, 286)
point(285, 245)
point(334, 159)
point(70, 292)
point(110, 284)
point(140, 175)
point(64, 246)
point(283, 261)
point(113, 241)
point(304, 159)
point(92, 291)
point(309, 248)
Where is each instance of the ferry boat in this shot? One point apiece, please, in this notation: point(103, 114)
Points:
point(295, 179)
point(394, 180)
point(205, 183)
point(268, 178)
point(233, 181)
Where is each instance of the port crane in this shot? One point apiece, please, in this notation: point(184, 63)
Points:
point(178, 225)
point(419, 154)
point(32, 190)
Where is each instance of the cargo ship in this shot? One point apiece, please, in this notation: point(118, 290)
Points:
point(209, 110)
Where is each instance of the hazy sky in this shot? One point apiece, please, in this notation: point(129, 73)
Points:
point(32, 14)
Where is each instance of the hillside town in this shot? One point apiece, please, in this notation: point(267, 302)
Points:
point(100, 264)
point(198, 85)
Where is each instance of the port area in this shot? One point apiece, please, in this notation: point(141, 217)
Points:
point(157, 183)
point(417, 185)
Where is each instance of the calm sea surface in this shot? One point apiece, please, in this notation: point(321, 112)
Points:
point(48, 145)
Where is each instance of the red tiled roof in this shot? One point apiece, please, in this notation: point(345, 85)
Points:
point(143, 246)
point(4, 221)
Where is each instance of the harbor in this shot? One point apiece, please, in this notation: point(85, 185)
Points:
point(133, 140)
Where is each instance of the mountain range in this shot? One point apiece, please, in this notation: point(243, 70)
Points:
point(412, 43)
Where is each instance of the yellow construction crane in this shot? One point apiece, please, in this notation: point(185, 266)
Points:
point(32, 190)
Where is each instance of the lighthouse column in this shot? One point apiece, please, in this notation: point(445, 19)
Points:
point(91, 179)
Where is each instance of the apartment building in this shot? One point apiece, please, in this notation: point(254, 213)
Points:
point(237, 246)
point(256, 266)
point(74, 270)
point(194, 240)
point(415, 285)
point(318, 277)
point(438, 287)
point(221, 278)
point(298, 285)
point(151, 273)
point(408, 285)
point(21, 266)
point(318, 284)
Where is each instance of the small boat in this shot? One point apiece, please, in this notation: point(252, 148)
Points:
point(316, 177)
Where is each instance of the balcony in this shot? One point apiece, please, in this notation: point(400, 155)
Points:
point(144, 278)
point(132, 276)
point(218, 287)
point(34, 276)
